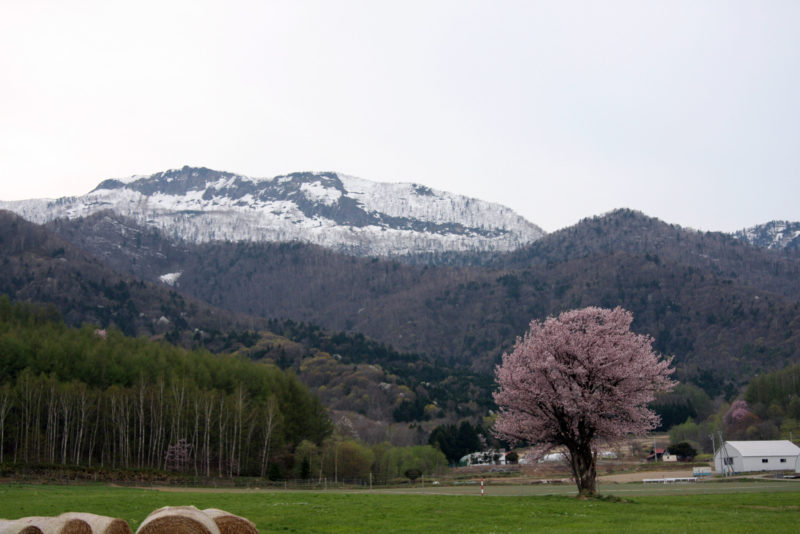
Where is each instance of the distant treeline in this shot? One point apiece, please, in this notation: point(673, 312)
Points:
point(770, 410)
point(778, 391)
point(93, 397)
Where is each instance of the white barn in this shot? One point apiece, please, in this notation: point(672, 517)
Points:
point(744, 456)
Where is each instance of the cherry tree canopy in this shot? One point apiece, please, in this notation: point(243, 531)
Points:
point(578, 379)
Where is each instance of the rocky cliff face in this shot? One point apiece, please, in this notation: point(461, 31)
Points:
point(333, 210)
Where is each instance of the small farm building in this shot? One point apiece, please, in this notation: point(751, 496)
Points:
point(745, 456)
point(490, 457)
point(661, 454)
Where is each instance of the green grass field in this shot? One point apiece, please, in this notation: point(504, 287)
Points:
point(710, 507)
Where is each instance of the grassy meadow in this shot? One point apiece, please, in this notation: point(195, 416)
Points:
point(748, 507)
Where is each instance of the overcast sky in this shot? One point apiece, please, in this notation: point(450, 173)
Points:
point(687, 111)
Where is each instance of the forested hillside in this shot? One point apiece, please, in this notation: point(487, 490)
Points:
point(726, 310)
point(635, 234)
point(39, 266)
point(97, 397)
point(377, 389)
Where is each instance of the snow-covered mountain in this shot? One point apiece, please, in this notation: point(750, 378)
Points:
point(333, 210)
point(774, 235)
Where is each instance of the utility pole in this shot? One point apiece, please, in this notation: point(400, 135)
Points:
point(714, 451)
point(724, 456)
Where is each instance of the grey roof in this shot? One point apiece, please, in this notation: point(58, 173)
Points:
point(782, 447)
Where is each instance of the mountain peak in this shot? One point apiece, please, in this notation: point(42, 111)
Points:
point(772, 235)
point(330, 209)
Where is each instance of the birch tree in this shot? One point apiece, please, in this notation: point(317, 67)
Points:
point(5, 407)
point(270, 415)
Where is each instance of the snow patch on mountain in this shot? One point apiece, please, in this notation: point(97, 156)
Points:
point(337, 211)
point(170, 278)
point(776, 235)
point(318, 192)
point(423, 203)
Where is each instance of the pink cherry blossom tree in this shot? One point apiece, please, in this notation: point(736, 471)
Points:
point(576, 381)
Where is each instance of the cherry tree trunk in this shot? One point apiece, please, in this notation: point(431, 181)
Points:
point(584, 470)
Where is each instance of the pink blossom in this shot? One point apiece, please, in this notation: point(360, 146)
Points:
point(578, 379)
point(737, 413)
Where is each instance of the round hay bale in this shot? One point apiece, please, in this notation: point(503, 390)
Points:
point(101, 524)
point(229, 523)
point(178, 520)
point(8, 526)
point(58, 525)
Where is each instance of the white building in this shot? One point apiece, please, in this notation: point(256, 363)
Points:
point(745, 456)
point(490, 457)
point(668, 457)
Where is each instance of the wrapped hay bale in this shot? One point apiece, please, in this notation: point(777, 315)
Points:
point(57, 525)
point(229, 523)
point(8, 526)
point(101, 524)
point(178, 520)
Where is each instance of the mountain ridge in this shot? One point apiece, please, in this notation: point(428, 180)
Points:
point(724, 308)
point(775, 235)
point(347, 214)
point(334, 210)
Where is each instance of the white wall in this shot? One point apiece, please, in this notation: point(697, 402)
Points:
point(742, 464)
point(773, 463)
